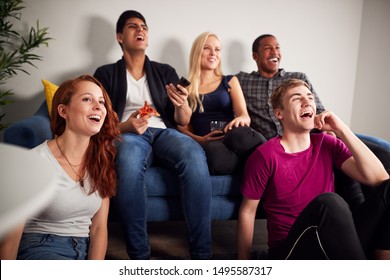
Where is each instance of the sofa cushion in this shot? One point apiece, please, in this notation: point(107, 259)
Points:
point(170, 208)
point(164, 203)
point(31, 131)
point(161, 181)
point(50, 89)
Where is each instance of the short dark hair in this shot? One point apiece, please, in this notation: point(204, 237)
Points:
point(125, 16)
point(256, 42)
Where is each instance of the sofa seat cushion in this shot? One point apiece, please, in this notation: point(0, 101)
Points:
point(164, 202)
point(170, 208)
point(161, 182)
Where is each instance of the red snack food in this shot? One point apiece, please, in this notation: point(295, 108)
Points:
point(147, 110)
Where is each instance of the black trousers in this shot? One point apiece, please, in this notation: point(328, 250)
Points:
point(328, 229)
point(230, 154)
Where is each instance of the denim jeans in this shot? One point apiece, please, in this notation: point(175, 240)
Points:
point(376, 140)
point(186, 157)
point(39, 246)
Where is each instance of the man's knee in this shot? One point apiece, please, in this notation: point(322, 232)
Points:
point(331, 203)
point(183, 150)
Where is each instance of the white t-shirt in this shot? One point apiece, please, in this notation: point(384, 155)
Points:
point(71, 210)
point(137, 93)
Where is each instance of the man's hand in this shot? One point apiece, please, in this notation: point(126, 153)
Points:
point(328, 121)
point(178, 95)
point(135, 124)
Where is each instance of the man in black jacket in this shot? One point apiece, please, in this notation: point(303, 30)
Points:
point(130, 82)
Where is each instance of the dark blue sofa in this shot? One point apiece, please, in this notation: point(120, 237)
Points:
point(161, 183)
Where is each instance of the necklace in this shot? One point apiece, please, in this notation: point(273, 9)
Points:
point(81, 180)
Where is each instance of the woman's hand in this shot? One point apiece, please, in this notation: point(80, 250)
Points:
point(236, 122)
point(212, 136)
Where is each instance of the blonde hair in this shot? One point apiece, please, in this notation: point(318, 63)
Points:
point(279, 92)
point(194, 99)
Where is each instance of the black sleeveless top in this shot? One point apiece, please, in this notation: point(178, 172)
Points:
point(217, 107)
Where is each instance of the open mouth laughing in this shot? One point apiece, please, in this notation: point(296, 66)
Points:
point(95, 118)
point(306, 114)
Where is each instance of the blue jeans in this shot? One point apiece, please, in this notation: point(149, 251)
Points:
point(376, 140)
point(186, 157)
point(39, 246)
point(380, 147)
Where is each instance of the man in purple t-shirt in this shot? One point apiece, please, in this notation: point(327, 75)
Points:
point(293, 176)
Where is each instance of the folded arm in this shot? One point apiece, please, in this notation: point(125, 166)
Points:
point(363, 166)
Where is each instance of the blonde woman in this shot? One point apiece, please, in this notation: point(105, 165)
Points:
point(218, 99)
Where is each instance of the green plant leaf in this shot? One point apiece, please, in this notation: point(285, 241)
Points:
point(16, 50)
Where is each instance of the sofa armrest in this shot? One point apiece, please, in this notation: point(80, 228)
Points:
point(30, 132)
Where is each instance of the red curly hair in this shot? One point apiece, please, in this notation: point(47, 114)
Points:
point(99, 159)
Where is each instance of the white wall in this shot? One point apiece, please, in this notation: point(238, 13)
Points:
point(372, 90)
point(318, 37)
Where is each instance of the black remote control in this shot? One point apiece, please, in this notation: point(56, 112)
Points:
point(183, 82)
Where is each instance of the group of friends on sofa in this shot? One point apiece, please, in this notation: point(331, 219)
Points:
point(273, 128)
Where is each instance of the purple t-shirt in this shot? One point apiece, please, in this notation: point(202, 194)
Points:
point(286, 183)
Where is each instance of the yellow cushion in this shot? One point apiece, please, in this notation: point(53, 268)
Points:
point(50, 90)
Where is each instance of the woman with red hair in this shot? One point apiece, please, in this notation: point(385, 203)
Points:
point(74, 225)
